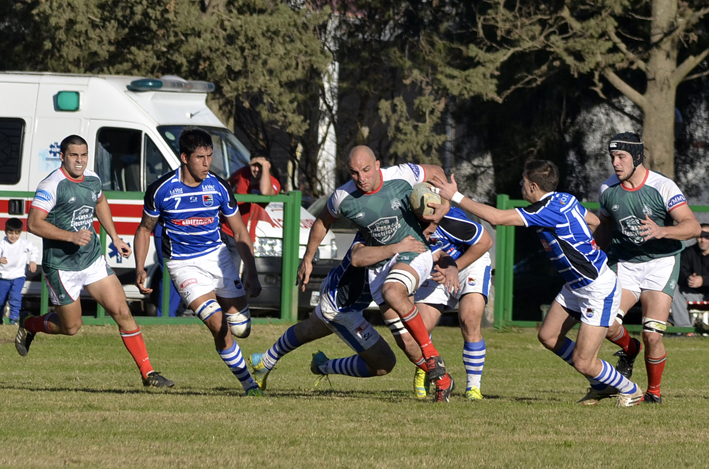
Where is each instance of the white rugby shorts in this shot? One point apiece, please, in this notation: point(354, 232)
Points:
point(597, 304)
point(350, 326)
point(65, 285)
point(422, 264)
point(475, 278)
point(655, 275)
point(213, 272)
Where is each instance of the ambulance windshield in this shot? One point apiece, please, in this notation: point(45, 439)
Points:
point(229, 153)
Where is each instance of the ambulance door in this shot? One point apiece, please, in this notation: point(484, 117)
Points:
point(127, 160)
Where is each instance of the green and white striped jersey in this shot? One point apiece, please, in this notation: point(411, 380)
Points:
point(656, 197)
point(70, 205)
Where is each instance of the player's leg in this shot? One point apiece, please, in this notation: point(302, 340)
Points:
point(228, 285)
point(109, 293)
point(656, 305)
point(470, 313)
point(629, 276)
point(64, 289)
point(209, 310)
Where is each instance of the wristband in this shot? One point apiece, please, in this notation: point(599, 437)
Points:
point(457, 197)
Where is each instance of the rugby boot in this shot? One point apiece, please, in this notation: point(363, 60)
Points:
point(420, 384)
point(625, 361)
point(650, 398)
point(260, 372)
point(436, 368)
point(156, 380)
point(24, 338)
point(594, 395)
point(630, 399)
point(444, 394)
point(473, 394)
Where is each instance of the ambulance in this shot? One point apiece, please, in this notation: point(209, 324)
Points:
point(132, 126)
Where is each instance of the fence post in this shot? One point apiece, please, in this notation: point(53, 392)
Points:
point(100, 312)
point(501, 271)
point(291, 245)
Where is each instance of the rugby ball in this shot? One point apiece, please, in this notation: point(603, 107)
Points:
point(421, 195)
point(239, 324)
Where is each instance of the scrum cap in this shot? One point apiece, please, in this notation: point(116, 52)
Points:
point(630, 142)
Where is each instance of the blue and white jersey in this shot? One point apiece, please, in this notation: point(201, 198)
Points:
point(346, 286)
point(566, 237)
point(455, 234)
point(189, 215)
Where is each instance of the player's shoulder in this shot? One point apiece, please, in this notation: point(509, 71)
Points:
point(659, 181)
point(216, 179)
point(612, 181)
point(403, 171)
point(340, 194)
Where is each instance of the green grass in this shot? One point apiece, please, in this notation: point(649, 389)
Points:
point(78, 402)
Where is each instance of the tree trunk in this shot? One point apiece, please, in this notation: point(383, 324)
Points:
point(659, 105)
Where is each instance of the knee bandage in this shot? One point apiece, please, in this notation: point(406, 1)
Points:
point(402, 276)
point(654, 325)
point(207, 309)
point(396, 326)
point(620, 316)
point(240, 323)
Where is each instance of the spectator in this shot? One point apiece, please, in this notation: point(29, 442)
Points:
point(693, 283)
point(14, 256)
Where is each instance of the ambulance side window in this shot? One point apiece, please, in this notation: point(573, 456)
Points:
point(11, 132)
point(118, 158)
point(155, 163)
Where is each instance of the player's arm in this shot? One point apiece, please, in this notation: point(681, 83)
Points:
point(431, 171)
point(686, 226)
point(317, 233)
point(494, 216)
point(141, 242)
point(246, 251)
point(364, 256)
point(592, 221)
point(476, 251)
point(264, 182)
point(38, 225)
point(103, 213)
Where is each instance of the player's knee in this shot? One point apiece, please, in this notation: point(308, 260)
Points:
point(399, 282)
point(547, 339)
point(653, 330)
point(71, 328)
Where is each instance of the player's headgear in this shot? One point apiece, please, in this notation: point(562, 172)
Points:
point(630, 142)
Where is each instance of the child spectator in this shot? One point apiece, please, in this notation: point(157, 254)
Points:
point(14, 254)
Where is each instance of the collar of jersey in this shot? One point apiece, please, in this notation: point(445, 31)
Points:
point(381, 183)
point(630, 189)
point(66, 175)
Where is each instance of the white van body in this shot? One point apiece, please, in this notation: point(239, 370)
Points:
point(132, 137)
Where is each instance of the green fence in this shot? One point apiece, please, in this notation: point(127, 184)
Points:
point(291, 242)
point(504, 265)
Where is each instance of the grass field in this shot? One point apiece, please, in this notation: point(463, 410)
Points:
point(78, 402)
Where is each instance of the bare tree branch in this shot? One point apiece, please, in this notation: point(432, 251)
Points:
point(625, 88)
point(679, 74)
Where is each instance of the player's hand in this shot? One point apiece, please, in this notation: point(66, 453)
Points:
point(649, 229)
point(140, 277)
point(695, 281)
point(304, 270)
point(446, 276)
point(252, 285)
point(445, 189)
point(3, 260)
point(123, 249)
point(81, 237)
point(411, 244)
point(33, 267)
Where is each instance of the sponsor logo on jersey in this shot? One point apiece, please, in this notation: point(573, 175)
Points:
point(415, 169)
point(188, 282)
point(395, 204)
point(193, 198)
point(676, 200)
point(208, 187)
point(384, 229)
point(630, 227)
point(615, 208)
point(194, 221)
point(471, 281)
point(589, 312)
point(358, 216)
point(545, 245)
point(94, 196)
point(72, 200)
point(208, 200)
point(564, 199)
point(647, 210)
point(43, 195)
point(177, 190)
point(82, 218)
